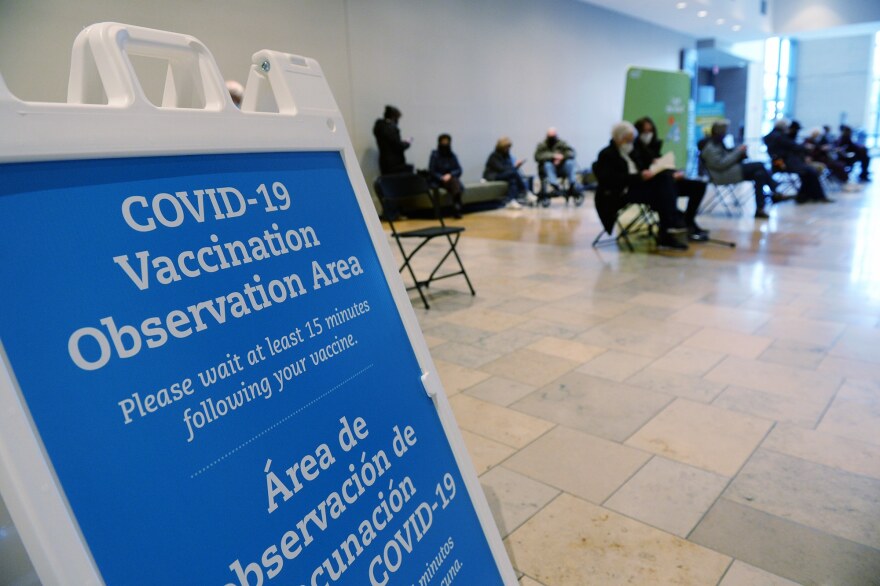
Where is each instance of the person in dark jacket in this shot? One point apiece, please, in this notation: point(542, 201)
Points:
point(501, 166)
point(857, 152)
point(391, 147)
point(780, 146)
point(555, 157)
point(445, 171)
point(621, 182)
point(727, 166)
point(647, 150)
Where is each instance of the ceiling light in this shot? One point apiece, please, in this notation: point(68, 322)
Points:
point(703, 13)
point(719, 21)
point(736, 28)
point(681, 5)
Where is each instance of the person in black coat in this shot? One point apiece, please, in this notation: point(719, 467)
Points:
point(445, 171)
point(391, 147)
point(501, 166)
point(647, 149)
point(857, 152)
point(781, 145)
point(621, 182)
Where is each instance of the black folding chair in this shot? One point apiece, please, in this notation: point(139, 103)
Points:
point(642, 222)
point(724, 197)
point(392, 191)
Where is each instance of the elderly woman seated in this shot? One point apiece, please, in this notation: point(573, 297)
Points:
point(621, 182)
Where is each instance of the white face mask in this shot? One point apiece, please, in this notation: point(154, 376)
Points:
point(626, 148)
point(646, 138)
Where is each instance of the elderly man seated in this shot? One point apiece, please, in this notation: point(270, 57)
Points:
point(555, 157)
point(621, 182)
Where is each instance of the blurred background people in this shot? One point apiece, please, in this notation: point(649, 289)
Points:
point(502, 166)
point(727, 166)
point(781, 146)
point(391, 147)
point(555, 157)
point(445, 171)
point(856, 152)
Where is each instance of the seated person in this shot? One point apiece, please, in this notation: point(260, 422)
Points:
point(780, 145)
point(822, 152)
point(647, 149)
point(445, 171)
point(391, 147)
point(555, 157)
point(857, 152)
point(501, 166)
point(727, 166)
point(621, 182)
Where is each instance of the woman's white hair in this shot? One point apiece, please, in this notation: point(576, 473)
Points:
point(622, 129)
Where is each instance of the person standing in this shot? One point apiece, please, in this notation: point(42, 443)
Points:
point(391, 147)
point(445, 171)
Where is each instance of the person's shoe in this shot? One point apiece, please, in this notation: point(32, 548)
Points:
point(761, 215)
point(513, 205)
point(669, 242)
point(531, 198)
point(697, 234)
point(864, 179)
point(801, 200)
point(780, 197)
point(456, 211)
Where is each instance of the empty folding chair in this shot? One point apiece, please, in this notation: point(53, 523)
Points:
point(394, 190)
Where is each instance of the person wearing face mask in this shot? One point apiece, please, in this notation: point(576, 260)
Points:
point(445, 171)
point(391, 147)
point(501, 166)
point(621, 182)
point(555, 157)
point(646, 151)
point(728, 166)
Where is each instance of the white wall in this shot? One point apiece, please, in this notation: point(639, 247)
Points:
point(833, 78)
point(477, 70)
point(793, 16)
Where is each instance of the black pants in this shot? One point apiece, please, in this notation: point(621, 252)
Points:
point(694, 190)
point(757, 173)
point(860, 155)
point(811, 187)
point(659, 193)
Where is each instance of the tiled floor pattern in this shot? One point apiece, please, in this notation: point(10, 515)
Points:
point(705, 418)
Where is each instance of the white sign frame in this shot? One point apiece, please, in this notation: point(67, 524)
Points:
point(287, 107)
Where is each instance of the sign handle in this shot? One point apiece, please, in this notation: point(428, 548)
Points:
point(101, 71)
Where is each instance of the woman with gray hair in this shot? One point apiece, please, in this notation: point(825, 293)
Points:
point(621, 182)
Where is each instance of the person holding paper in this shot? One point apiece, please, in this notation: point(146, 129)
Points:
point(647, 155)
point(621, 182)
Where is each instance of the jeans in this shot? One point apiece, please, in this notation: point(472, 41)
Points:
point(566, 167)
point(516, 184)
point(757, 173)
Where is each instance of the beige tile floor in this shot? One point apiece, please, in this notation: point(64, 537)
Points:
point(700, 418)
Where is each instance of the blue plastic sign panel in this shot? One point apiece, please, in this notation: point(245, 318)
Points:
point(213, 361)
